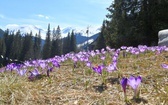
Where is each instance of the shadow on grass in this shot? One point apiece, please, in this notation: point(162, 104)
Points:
point(139, 100)
point(113, 81)
point(100, 88)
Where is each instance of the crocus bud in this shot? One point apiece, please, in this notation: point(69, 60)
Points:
point(123, 83)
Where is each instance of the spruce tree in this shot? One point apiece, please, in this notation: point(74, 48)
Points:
point(37, 46)
point(101, 40)
point(8, 39)
point(46, 53)
point(66, 44)
point(29, 54)
point(59, 40)
point(27, 48)
point(16, 46)
point(2, 47)
point(73, 46)
point(135, 22)
point(56, 47)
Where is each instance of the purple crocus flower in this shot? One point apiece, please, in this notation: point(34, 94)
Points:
point(111, 68)
point(98, 69)
point(49, 70)
point(103, 57)
point(42, 65)
point(22, 72)
point(164, 66)
point(56, 64)
point(10, 66)
point(135, 82)
point(123, 47)
point(123, 83)
point(88, 64)
point(34, 75)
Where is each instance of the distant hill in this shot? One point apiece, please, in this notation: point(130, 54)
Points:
point(1, 33)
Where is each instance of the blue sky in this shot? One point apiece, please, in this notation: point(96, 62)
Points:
point(77, 13)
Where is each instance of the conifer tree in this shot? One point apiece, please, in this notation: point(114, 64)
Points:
point(2, 47)
point(73, 46)
point(46, 53)
point(37, 46)
point(59, 40)
point(26, 52)
point(56, 47)
point(66, 44)
point(8, 39)
point(16, 46)
point(29, 53)
point(134, 22)
point(101, 40)
point(54, 44)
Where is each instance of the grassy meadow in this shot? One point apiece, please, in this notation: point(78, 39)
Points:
point(76, 83)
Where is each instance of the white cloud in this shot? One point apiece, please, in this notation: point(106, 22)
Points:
point(43, 16)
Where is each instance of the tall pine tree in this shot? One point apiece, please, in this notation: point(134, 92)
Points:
point(37, 46)
point(46, 53)
point(56, 47)
point(27, 48)
point(66, 44)
point(16, 46)
point(101, 40)
point(73, 46)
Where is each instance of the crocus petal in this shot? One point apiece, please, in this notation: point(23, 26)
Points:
point(123, 83)
point(111, 68)
point(98, 69)
point(165, 66)
point(22, 72)
point(35, 72)
point(134, 82)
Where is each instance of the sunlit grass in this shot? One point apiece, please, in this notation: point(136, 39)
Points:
point(82, 86)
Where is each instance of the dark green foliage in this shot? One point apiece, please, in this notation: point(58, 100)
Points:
point(47, 46)
point(37, 46)
point(73, 46)
point(8, 39)
point(1, 33)
point(27, 48)
point(16, 46)
point(101, 40)
point(2, 47)
point(56, 46)
point(69, 43)
point(66, 44)
point(134, 22)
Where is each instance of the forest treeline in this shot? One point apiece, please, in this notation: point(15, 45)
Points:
point(133, 22)
point(14, 45)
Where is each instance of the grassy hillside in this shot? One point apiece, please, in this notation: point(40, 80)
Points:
point(71, 79)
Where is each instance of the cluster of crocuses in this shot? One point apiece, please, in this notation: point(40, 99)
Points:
point(35, 68)
point(43, 67)
point(132, 81)
point(109, 68)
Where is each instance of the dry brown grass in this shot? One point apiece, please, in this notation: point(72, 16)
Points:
point(82, 86)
